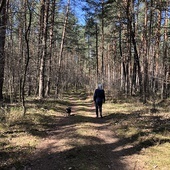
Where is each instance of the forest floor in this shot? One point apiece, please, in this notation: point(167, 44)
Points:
point(128, 137)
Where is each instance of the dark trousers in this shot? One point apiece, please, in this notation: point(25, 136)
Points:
point(98, 105)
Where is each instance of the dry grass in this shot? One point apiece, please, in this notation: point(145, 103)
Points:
point(132, 122)
point(20, 135)
point(148, 133)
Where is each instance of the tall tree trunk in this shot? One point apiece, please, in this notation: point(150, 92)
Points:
point(97, 59)
point(137, 66)
point(3, 21)
point(61, 49)
point(47, 92)
point(166, 67)
point(128, 60)
point(146, 51)
point(102, 41)
point(21, 49)
point(27, 33)
point(40, 52)
point(45, 5)
point(157, 48)
point(123, 72)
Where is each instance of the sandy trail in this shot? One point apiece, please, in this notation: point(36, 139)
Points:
point(83, 142)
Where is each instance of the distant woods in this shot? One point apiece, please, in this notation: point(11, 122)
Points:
point(45, 50)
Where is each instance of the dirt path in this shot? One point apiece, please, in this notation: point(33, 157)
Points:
point(83, 142)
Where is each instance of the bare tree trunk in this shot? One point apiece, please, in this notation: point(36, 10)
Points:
point(44, 14)
point(128, 60)
point(102, 39)
point(27, 32)
point(166, 67)
point(97, 59)
point(157, 49)
point(3, 21)
point(21, 54)
point(47, 92)
point(61, 49)
point(137, 66)
point(123, 72)
point(40, 52)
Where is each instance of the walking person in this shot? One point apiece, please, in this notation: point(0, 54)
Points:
point(99, 99)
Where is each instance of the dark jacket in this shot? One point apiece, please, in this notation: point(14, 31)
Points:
point(99, 94)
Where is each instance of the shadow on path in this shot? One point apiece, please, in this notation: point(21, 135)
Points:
point(83, 142)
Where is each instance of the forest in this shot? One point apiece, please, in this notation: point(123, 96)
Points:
point(122, 44)
point(49, 48)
